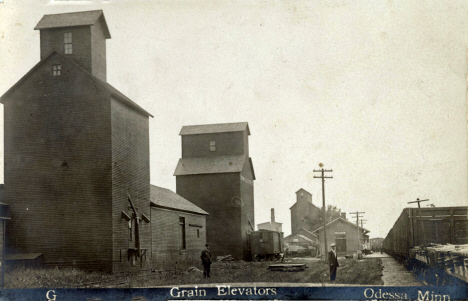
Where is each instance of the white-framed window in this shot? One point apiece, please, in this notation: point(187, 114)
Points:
point(212, 146)
point(57, 70)
point(67, 43)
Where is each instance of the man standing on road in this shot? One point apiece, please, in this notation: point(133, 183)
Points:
point(333, 261)
point(206, 261)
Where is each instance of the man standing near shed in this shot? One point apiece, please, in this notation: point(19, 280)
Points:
point(333, 261)
point(206, 261)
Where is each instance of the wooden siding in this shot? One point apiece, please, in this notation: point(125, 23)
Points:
point(130, 174)
point(351, 236)
point(98, 52)
point(227, 144)
point(166, 249)
point(214, 193)
point(247, 209)
point(303, 208)
point(58, 167)
point(53, 39)
point(2, 251)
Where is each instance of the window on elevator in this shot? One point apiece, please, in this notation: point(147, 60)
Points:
point(67, 43)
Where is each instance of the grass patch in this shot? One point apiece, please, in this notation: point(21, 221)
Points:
point(364, 272)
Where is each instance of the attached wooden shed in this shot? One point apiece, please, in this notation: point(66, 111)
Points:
point(4, 217)
point(178, 230)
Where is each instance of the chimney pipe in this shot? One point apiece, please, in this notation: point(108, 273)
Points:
point(343, 215)
point(272, 215)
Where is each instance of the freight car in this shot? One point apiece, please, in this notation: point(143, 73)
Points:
point(432, 242)
point(266, 244)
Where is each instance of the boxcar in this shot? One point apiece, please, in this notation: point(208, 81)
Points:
point(266, 244)
point(415, 235)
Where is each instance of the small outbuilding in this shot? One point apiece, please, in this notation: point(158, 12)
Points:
point(344, 234)
point(309, 234)
point(178, 229)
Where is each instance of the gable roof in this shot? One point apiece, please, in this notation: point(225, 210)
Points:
point(210, 165)
point(165, 198)
point(214, 128)
point(113, 91)
point(344, 220)
point(84, 18)
point(304, 191)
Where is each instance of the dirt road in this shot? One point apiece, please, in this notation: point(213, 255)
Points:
point(395, 274)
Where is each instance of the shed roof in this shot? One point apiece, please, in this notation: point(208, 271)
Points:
point(113, 91)
point(165, 198)
point(84, 18)
point(23, 256)
point(344, 220)
point(210, 165)
point(292, 236)
point(307, 231)
point(214, 128)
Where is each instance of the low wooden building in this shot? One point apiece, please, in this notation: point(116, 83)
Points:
point(4, 217)
point(309, 234)
point(298, 239)
point(347, 236)
point(178, 230)
point(307, 246)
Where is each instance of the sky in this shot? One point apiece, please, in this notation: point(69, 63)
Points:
point(374, 90)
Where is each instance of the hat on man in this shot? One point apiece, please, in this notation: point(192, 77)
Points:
point(333, 245)
point(207, 245)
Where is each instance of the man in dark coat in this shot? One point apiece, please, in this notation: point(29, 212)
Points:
point(206, 261)
point(333, 262)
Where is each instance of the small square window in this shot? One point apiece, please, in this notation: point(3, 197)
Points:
point(56, 70)
point(212, 146)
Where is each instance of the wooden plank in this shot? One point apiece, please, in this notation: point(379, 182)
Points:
point(292, 267)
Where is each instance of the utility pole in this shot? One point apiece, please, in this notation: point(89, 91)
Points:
point(358, 231)
point(323, 177)
point(420, 215)
point(362, 227)
point(362, 222)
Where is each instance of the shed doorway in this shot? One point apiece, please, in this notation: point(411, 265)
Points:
point(340, 240)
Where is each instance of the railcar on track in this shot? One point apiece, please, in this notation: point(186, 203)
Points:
point(266, 244)
point(433, 242)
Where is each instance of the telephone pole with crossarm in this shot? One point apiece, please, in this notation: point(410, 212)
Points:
point(323, 177)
